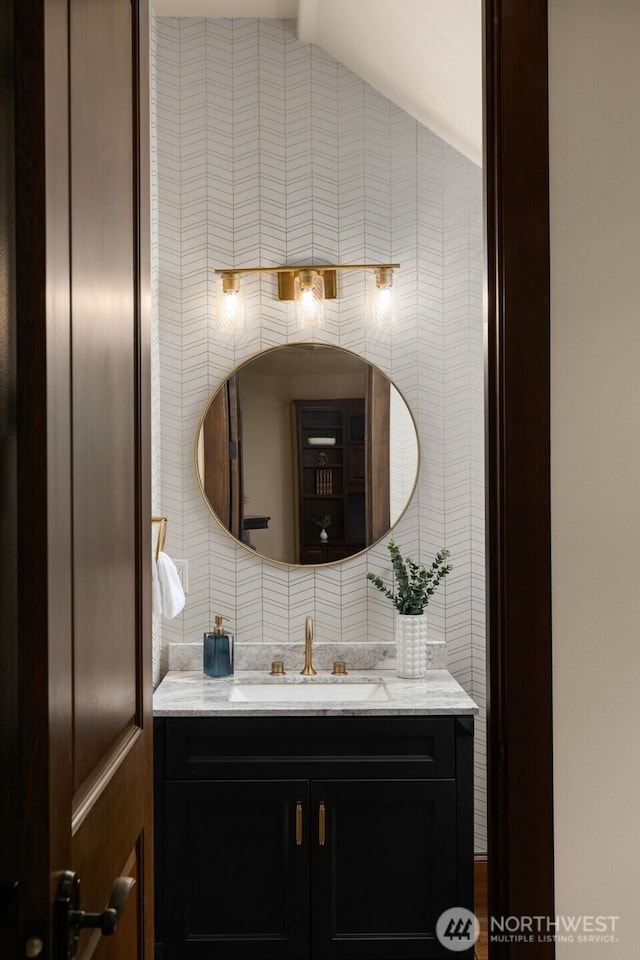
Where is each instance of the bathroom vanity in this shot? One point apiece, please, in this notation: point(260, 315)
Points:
point(311, 829)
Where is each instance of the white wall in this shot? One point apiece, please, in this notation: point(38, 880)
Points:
point(268, 461)
point(269, 151)
point(595, 454)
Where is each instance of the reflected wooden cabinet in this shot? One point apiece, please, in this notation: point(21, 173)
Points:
point(331, 478)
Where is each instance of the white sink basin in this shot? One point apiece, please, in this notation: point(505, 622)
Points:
point(315, 691)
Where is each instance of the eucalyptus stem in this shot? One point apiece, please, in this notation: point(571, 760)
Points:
point(415, 584)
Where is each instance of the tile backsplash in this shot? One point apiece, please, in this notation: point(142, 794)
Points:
point(268, 151)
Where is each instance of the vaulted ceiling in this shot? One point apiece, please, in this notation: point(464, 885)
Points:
point(425, 55)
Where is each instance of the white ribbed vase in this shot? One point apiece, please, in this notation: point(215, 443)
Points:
point(411, 645)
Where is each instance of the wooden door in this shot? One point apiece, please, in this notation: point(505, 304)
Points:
point(216, 456)
point(83, 463)
point(377, 455)
point(9, 801)
point(222, 457)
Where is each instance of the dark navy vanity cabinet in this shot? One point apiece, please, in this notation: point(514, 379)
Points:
point(311, 838)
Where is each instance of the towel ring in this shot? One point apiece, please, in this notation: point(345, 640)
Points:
point(162, 533)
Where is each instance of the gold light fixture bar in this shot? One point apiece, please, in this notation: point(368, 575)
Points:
point(286, 280)
point(287, 275)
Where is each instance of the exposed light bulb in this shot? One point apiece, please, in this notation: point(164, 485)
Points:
point(308, 289)
point(230, 308)
point(382, 301)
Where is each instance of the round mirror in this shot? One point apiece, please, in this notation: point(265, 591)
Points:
point(307, 454)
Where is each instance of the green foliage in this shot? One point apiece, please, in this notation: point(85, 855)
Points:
point(415, 585)
point(323, 522)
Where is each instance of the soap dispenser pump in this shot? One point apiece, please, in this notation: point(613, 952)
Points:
point(218, 651)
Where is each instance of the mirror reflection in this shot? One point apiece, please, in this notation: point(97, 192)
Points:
point(307, 454)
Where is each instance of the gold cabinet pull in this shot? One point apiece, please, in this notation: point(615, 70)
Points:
point(298, 824)
point(321, 825)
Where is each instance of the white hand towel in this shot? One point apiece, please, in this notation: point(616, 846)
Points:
point(173, 598)
point(155, 589)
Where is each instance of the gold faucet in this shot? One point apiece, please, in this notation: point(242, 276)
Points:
point(307, 670)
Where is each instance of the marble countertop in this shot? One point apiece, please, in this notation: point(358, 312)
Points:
point(187, 693)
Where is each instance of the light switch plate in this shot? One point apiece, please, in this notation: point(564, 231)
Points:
point(182, 566)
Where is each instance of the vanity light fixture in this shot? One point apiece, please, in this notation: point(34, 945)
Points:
point(309, 286)
point(308, 293)
point(382, 300)
point(230, 309)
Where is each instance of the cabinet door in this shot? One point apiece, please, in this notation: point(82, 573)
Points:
point(386, 869)
point(236, 868)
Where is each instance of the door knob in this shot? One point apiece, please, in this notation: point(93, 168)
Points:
point(70, 919)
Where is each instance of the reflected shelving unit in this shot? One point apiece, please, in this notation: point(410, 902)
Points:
point(331, 477)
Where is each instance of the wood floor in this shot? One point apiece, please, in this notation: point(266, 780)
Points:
point(480, 910)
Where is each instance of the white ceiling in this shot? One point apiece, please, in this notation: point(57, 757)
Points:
point(425, 55)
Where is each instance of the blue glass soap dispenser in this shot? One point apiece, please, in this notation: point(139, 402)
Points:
point(218, 651)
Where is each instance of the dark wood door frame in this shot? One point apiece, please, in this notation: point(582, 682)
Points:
point(518, 532)
point(520, 771)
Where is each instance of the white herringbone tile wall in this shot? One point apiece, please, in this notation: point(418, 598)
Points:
point(267, 151)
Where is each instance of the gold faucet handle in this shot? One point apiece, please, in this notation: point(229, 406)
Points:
point(339, 669)
point(277, 668)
